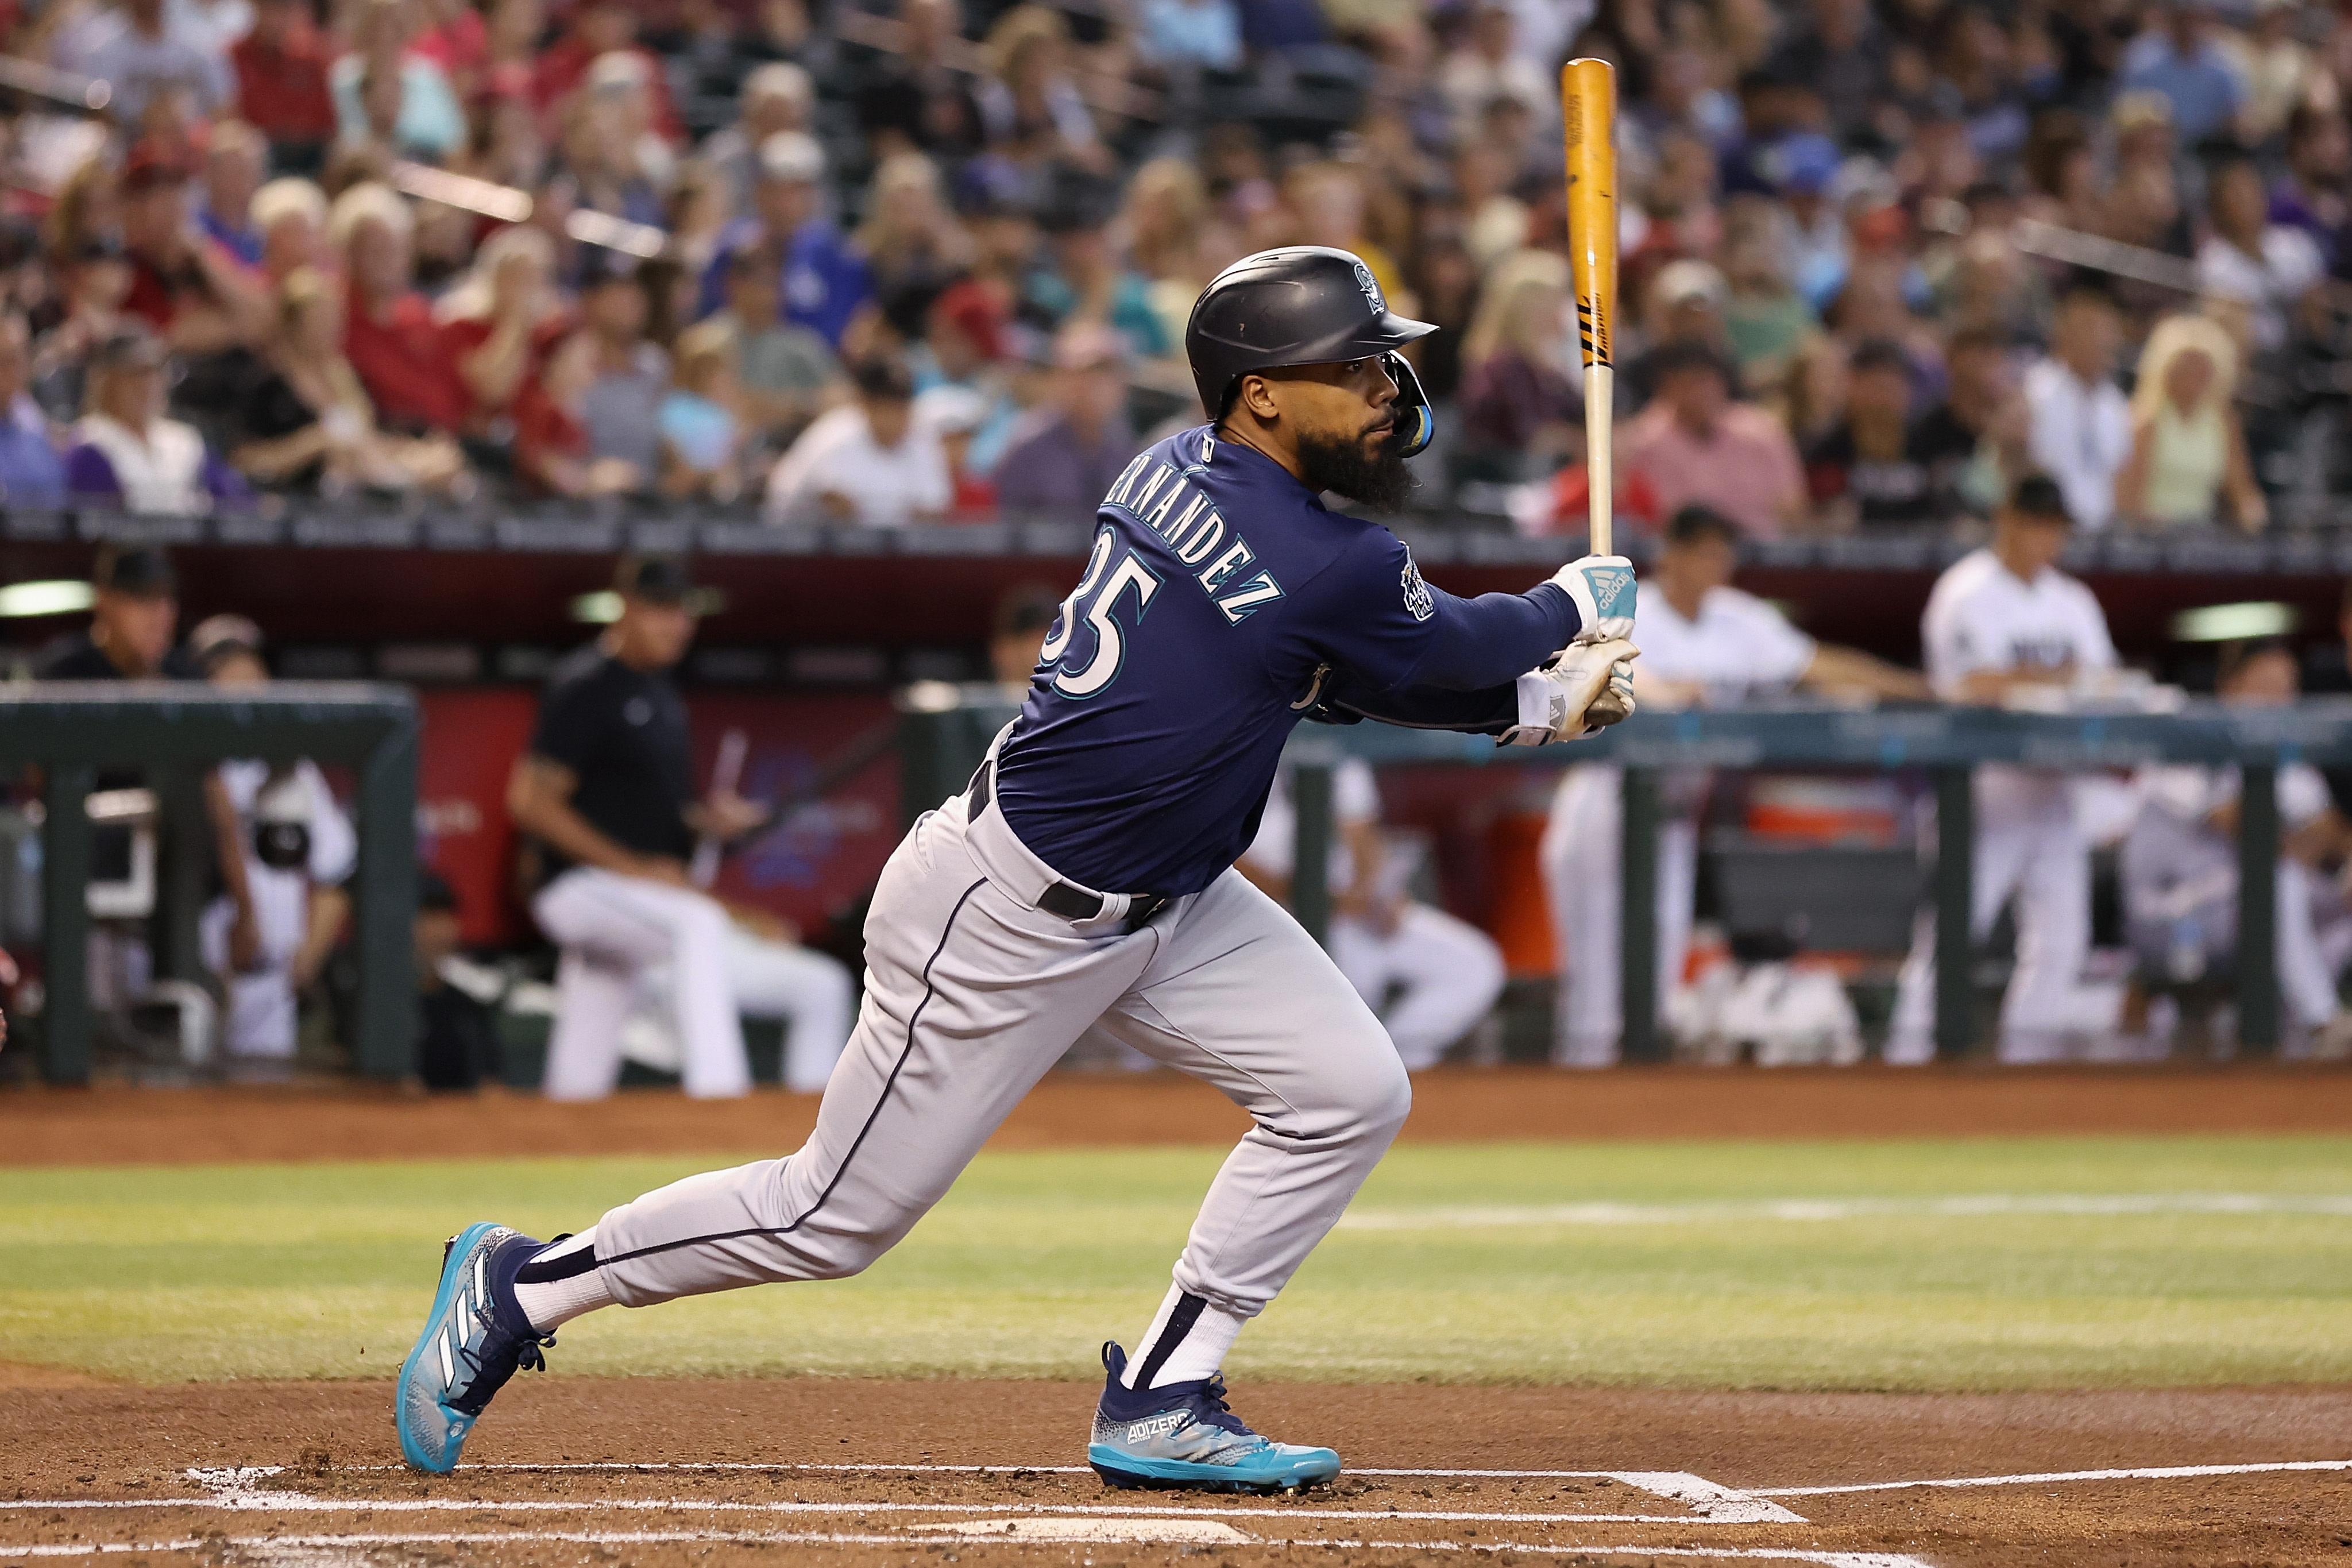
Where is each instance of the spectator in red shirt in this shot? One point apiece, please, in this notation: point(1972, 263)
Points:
point(183, 284)
point(503, 320)
point(402, 354)
point(281, 81)
point(598, 27)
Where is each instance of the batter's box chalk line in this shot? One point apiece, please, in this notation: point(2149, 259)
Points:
point(350, 1551)
point(243, 1490)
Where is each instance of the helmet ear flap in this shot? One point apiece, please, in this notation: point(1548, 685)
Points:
point(1416, 426)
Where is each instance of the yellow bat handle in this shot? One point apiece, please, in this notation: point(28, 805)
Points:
point(1588, 102)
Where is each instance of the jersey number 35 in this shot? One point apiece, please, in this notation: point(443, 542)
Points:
point(1080, 673)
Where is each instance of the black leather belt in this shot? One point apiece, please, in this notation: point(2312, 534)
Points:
point(1063, 898)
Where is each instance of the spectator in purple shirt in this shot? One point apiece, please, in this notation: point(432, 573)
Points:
point(126, 453)
point(1065, 453)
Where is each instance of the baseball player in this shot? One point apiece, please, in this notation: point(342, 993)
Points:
point(1702, 642)
point(2178, 866)
point(1084, 880)
point(2002, 624)
point(1445, 973)
point(605, 789)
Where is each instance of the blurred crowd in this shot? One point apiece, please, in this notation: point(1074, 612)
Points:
point(893, 260)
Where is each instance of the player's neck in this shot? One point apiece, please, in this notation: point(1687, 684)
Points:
point(1264, 444)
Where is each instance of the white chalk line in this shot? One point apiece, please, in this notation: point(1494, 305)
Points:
point(2150, 1473)
point(1819, 1210)
point(271, 1502)
point(784, 1538)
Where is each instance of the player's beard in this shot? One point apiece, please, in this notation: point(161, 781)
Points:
point(1366, 468)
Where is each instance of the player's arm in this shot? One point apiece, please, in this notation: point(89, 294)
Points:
point(539, 799)
point(1851, 669)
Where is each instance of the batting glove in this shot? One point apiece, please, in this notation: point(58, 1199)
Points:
point(1587, 688)
point(1602, 587)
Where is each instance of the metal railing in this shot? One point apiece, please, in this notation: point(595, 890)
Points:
point(71, 729)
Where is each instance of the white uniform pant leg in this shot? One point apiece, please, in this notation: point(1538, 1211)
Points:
point(262, 1013)
point(811, 991)
point(2306, 984)
point(2002, 850)
point(1241, 998)
point(2049, 862)
point(969, 999)
point(1582, 856)
point(1451, 972)
point(613, 929)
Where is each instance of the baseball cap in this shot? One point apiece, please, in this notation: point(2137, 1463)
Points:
point(142, 571)
point(791, 157)
point(131, 348)
point(217, 637)
point(2037, 496)
point(657, 579)
point(967, 307)
point(1689, 281)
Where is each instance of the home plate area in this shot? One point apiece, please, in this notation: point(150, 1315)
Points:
point(322, 1515)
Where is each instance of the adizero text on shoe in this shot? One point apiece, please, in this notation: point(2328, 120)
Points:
point(1183, 1435)
point(473, 1340)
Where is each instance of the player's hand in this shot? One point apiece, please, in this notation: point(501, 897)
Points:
point(1602, 587)
point(245, 940)
point(660, 869)
point(726, 815)
point(1587, 688)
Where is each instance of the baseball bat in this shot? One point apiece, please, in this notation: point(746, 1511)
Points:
point(1588, 113)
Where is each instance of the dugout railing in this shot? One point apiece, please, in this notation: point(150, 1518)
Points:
point(947, 729)
point(171, 734)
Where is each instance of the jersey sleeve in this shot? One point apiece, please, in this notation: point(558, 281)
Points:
point(1375, 617)
point(2095, 648)
point(568, 725)
point(1489, 710)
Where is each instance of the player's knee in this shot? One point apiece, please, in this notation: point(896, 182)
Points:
point(1379, 1097)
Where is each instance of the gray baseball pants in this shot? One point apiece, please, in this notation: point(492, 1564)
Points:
point(972, 994)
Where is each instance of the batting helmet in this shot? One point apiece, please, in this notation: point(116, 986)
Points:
point(1303, 304)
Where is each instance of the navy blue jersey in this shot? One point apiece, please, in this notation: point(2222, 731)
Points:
point(1220, 603)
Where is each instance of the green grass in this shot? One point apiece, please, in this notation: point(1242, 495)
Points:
point(323, 1271)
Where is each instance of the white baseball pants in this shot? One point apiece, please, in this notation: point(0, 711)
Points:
point(624, 939)
point(2030, 848)
point(972, 992)
point(1451, 972)
point(1584, 857)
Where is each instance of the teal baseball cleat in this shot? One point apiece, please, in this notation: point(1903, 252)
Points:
point(1180, 1435)
point(473, 1342)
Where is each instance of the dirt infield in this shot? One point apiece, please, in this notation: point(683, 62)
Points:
point(111, 1126)
point(663, 1473)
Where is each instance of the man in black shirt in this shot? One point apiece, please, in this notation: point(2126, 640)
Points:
point(131, 636)
point(607, 789)
point(1947, 437)
point(1864, 469)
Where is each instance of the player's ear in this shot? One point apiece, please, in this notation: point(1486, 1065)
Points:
point(1257, 395)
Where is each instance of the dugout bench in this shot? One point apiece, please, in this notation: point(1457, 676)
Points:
point(173, 731)
point(947, 729)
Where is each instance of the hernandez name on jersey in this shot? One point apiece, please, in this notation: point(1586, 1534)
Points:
point(1217, 589)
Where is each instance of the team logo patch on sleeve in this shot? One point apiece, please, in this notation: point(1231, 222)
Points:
point(1418, 602)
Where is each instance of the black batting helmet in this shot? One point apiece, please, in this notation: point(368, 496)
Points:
point(1303, 304)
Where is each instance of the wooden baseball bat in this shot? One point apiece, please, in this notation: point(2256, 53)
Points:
point(1588, 112)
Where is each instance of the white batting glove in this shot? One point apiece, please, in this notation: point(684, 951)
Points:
point(1589, 687)
point(1602, 587)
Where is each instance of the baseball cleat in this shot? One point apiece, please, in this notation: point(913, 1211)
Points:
point(1183, 1435)
point(474, 1339)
